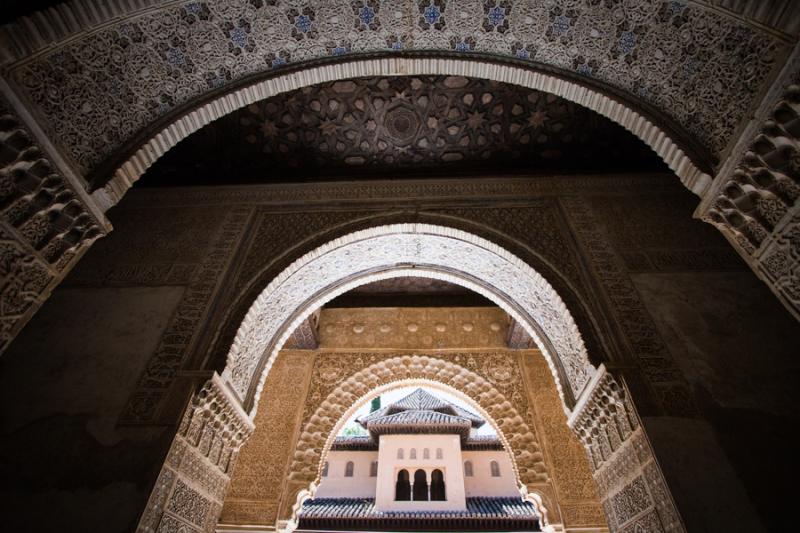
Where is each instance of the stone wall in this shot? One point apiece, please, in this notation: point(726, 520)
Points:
point(658, 297)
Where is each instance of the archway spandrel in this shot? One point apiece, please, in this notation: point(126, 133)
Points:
point(579, 502)
point(256, 482)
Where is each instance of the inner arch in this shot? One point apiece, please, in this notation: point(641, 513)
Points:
point(475, 405)
point(420, 250)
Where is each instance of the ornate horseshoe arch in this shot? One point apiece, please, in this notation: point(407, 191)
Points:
point(320, 430)
point(219, 418)
point(406, 250)
point(662, 138)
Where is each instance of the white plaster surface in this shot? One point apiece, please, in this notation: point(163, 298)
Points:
point(481, 483)
point(450, 465)
point(337, 485)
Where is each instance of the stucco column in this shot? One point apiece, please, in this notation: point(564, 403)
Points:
point(191, 487)
point(631, 485)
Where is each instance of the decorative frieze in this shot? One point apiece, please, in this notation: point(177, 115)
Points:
point(224, 42)
point(413, 328)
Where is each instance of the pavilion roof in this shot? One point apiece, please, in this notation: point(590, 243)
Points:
point(419, 421)
point(427, 409)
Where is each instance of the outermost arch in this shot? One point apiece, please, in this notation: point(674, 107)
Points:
point(432, 373)
point(420, 250)
point(658, 133)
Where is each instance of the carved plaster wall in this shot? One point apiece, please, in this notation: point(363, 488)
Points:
point(102, 81)
point(189, 491)
point(538, 228)
point(633, 490)
point(568, 221)
point(755, 200)
point(425, 328)
point(575, 489)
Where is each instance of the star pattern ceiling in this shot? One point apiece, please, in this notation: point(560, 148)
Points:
point(399, 127)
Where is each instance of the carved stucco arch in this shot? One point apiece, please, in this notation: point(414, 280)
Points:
point(657, 134)
point(319, 432)
point(187, 63)
point(604, 416)
point(591, 329)
point(399, 250)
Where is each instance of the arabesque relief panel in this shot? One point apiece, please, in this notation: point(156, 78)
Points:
point(576, 490)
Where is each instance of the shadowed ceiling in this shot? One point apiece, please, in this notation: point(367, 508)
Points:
point(402, 127)
point(410, 292)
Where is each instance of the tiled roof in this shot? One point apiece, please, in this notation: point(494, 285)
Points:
point(416, 421)
point(367, 443)
point(482, 443)
point(354, 443)
point(383, 411)
point(476, 420)
point(422, 401)
point(496, 514)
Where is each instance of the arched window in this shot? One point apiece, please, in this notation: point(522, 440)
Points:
point(402, 489)
point(426, 453)
point(400, 453)
point(413, 454)
point(373, 469)
point(325, 469)
point(420, 486)
point(348, 469)
point(439, 454)
point(495, 469)
point(437, 486)
point(467, 468)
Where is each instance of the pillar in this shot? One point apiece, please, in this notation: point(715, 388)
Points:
point(191, 487)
